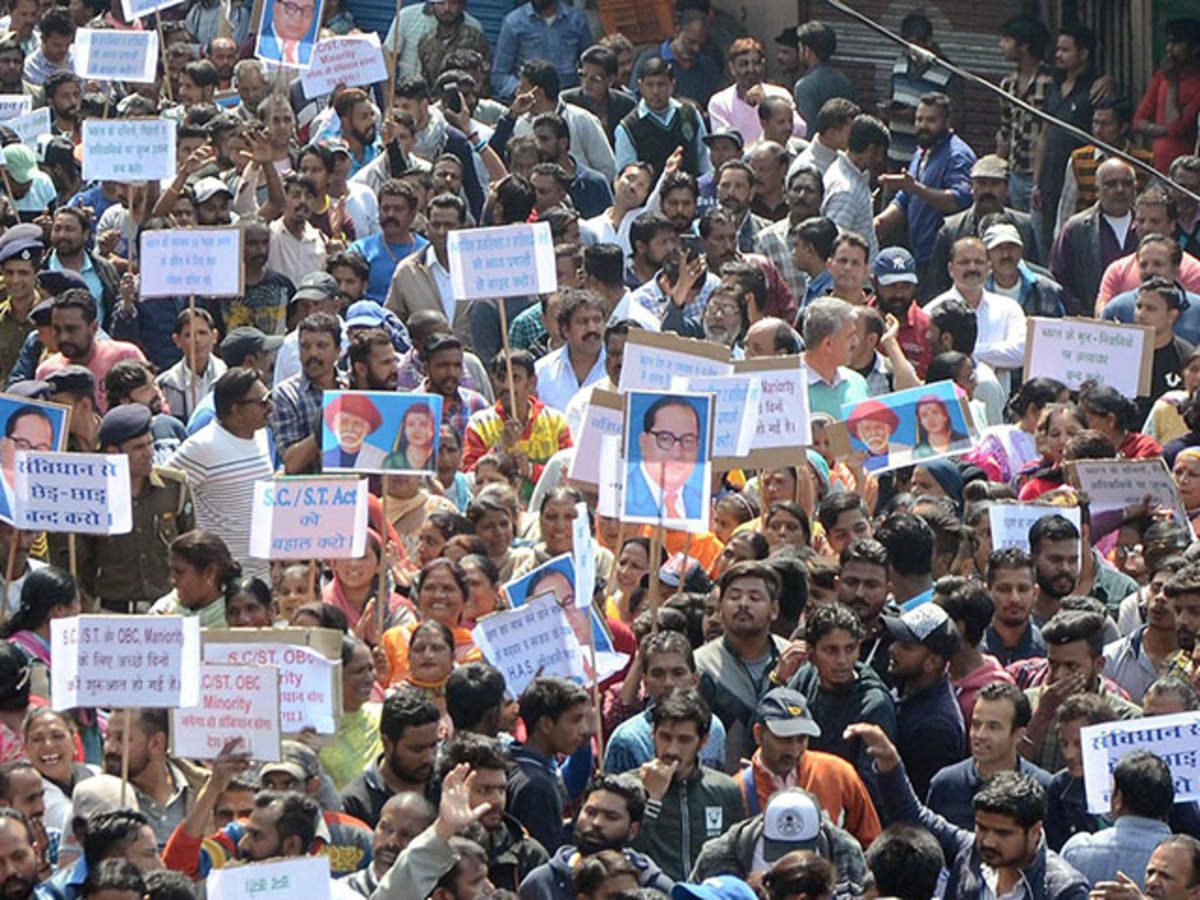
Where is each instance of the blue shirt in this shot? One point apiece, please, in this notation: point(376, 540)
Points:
point(87, 273)
point(1187, 326)
point(943, 167)
point(526, 35)
point(632, 743)
point(1125, 847)
point(698, 82)
point(383, 259)
point(953, 788)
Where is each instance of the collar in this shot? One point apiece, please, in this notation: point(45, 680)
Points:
point(643, 110)
point(815, 377)
point(531, 13)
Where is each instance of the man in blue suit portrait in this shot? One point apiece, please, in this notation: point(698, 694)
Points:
point(669, 446)
point(288, 31)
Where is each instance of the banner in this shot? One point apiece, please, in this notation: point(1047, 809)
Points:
point(602, 418)
point(380, 431)
point(308, 518)
point(129, 150)
point(507, 261)
point(302, 878)
point(87, 493)
point(177, 262)
point(125, 661)
point(13, 105)
point(1174, 738)
point(355, 59)
point(108, 54)
point(651, 361)
point(235, 702)
point(1077, 350)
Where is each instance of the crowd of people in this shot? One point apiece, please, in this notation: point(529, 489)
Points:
point(841, 687)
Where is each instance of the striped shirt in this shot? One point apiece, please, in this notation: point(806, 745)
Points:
point(1018, 128)
point(221, 469)
point(773, 243)
point(848, 201)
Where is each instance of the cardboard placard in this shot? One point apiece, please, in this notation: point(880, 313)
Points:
point(235, 702)
point(13, 105)
point(533, 638)
point(583, 553)
point(129, 150)
point(782, 428)
point(308, 517)
point(352, 59)
point(610, 486)
point(108, 54)
point(177, 262)
point(85, 493)
point(1173, 738)
point(289, 42)
point(1010, 520)
point(125, 661)
point(34, 426)
point(310, 669)
point(380, 431)
point(301, 878)
point(652, 360)
point(30, 126)
point(505, 261)
point(135, 9)
point(1077, 350)
point(736, 401)
point(604, 416)
point(1116, 483)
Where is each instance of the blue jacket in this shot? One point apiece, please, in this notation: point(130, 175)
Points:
point(1125, 847)
point(929, 732)
point(553, 880)
point(1187, 326)
point(952, 789)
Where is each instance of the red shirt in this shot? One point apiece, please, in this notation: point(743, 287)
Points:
point(1180, 138)
point(912, 337)
point(105, 355)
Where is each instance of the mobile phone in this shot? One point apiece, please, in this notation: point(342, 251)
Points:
point(453, 99)
point(693, 245)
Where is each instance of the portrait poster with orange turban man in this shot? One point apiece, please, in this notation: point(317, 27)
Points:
point(380, 431)
point(911, 426)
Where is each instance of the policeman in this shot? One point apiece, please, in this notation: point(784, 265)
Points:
point(19, 262)
point(75, 386)
point(128, 572)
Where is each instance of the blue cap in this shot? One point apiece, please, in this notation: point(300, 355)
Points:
point(722, 887)
point(75, 380)
point(365, 314)
point(894, 265)
point(57, 281)
point(124, 423)
point(30, 389)
point(26, 249)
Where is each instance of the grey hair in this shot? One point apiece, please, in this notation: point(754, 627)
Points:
point(825, 317)
point(245, 65)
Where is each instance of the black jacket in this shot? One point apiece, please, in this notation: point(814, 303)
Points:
point(552, 881)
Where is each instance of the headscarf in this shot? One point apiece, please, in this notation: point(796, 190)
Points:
point(946, 474)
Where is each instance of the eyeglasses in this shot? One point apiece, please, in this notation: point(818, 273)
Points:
point(23, 444)
point(295, 9)
point(263, 401)
point(666, 440)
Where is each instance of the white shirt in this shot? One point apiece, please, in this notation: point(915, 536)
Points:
point(12, 595)
point(556, 381)
point(1001, 340)
point(442, 279)
point(577, 408)
point(1119, 226)
point(815, 154)
point(295, 257)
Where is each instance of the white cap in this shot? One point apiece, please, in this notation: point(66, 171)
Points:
point(1002, 233)
point(792, 821)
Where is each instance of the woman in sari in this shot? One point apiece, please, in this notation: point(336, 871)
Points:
point(441, 590)
point(935, 428)
point(413, 449)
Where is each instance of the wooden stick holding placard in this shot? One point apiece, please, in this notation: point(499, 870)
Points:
point(656, 542)
point(162, 49)
point(381, 604)
point(71, 554)
point(508, 361)
point(596, 690)
point(190, 364)
point(125, 751)
point(13, 539)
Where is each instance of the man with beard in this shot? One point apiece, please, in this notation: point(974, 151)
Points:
point(989, 194)
point(222, 53)
point(395, 241)
point(803, 193)
point(652, 237)
point(403, 817)
point(267, 292)
point(894, 276)
point(1007, 848)
point(356, 114)
point(18, 860)
point(443, 359)
point(738, 106)
point(408, 727)
point(372, 358)
point(588, 188)
point(122, 835)
point(736, 181)
point(128, 572)
point(935, 185)
point(130, 382)
point(1054, 545)
point(610, 816)
point(296, 402)
point(676, 295)
point(250, 82)
point(422, 280)
point(512, 853)
point(1014, 583)
point(64, 95)
point(725, 319)
point(1183, 590)
point(579, 362)
point(680, 197)
point(166, 788)
point(452, 32)
point(70, 230)
point(296, 247)
point(73, 317)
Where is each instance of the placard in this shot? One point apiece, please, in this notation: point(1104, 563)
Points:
point(309, 663)
point(235, 702)
point(1010, 521)
point(129, 150)
point(912, 426)
point(506, 261)
point(29, 424)
point(583, 554)
point(86, 493)
point(109, 54)
point(352, 59)
point(13, 105)
point(1172, 738)
point(287, 34)
point(610, 487)
point(299, 878)
point(308, 518)
point(1077, 350)
point(667, 460)
point(651, 361)
point(135, 9)
point(603, 417)
point(380, 431)
point(782, 428)
point(30, 126)
point(531, 639)
point(1113, 484)
point(177, 262)
point(125, 661)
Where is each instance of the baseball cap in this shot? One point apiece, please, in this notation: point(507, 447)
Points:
point(927, 625)
point(788, 37)
point(731, 134)
point(791, 821)
point(1002, 233)
point(100, 794)
point(720, 887)
point(244, 340)
point(990, 166)
point(297, 760)
point(315, 286)
point(365, 314)
point(59, 281)
point(694, 578)
point(206, 188)
point(786, 713)
point(21, 163)
point(894, 265)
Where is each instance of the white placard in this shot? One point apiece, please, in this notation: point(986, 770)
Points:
point(354, 59)
point(125, 661)
point(85, 493)
point(1010, 522)
point(301, 878)
point(1077, 350)
point(603, 416)
point(235, 702)
point(306, 680)
point(1173, 738)
point(533, 638)
point(135, 9)
point(13, 105)
point(30, 126)
point(782, 424)
point(652, 361)
point(108, 54)
point(309, 518)
point(129, 150)
point(181, 261)
point(506, 261)
point(1113, 484)
point(583, 548)
point(609, 488)
point(733, 422)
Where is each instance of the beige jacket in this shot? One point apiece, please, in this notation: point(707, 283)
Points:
point(414, 288)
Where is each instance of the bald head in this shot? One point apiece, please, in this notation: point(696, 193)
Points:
point(770, 336)
point(1116, 184)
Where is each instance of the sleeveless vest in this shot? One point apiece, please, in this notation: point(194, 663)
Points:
point(655, 143)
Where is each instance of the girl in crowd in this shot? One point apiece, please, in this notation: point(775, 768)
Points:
point(1013, 447)
point(413, 449)
point(355, 586)
point(1058, 423)
point(202, 575)
point(409, 504)
point(48, 593)
point(456, 487)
